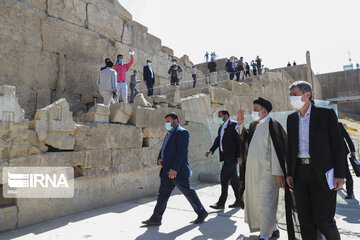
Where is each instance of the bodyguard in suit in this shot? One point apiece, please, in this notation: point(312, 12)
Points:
point(315, 146)
point(149, 77)
point(175, 171)
point(228, 141)
point(349, 179)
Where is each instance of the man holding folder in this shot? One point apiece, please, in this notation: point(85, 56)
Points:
point(315, 149)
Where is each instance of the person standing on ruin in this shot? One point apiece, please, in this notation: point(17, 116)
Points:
point(106, 82)
point(206, 57)
point(247, 69)
point(193, 74)
point(253, 65)
point(175, 172)
point(149, 77)
point(104, 67)
point(121, 69)
point(258, 61)
point(229, 69)
point(133, 89)
point(174, 71)
point(213, 74)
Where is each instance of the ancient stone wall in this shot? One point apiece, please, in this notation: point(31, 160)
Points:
point(342, 84)
point(113, 150)
point(52, 49)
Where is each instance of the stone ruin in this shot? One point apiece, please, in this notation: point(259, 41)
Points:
point(48, 116)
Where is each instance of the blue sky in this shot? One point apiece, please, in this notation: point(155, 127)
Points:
point(277, 30)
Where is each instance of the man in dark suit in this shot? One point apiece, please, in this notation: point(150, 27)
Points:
point(315, 146)
point(349, 180)
point(149, 77)
point(175, 171)
point(228, 141)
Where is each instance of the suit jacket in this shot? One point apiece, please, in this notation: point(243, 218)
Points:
point(147, 75)
point(346, 138)
point(230, 143)
point(176, 154)
point(326, 147)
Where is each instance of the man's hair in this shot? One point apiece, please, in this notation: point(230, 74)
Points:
point(135, 71)
point(303, 87)
point(119, 55)
point(173, 116)
point(109, 64)
point(174, 60)
point(148, 60)
point(107, 59)
point(224, 112)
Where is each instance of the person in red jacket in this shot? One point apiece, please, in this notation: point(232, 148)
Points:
point(121, 68)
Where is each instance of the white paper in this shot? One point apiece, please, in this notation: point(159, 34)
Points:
point(330, 178)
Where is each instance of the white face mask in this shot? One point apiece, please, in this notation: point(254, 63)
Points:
point(296, 102)
point(255, 116)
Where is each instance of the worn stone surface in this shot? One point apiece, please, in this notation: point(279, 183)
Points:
point(8, 217)
point(221, 96)
point(120, 112)
point(54, 125)
point(73, 11)
point(150, 117)
point(140, 100)
point(99, 113)
point(104, 136)
point(173, 97)
point(10, 110)
point(197, 108)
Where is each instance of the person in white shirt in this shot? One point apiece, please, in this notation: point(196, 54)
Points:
point(228, 142)
point(106, 82)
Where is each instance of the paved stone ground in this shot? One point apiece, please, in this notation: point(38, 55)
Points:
point(123, 221)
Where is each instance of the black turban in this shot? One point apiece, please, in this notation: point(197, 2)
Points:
point(264, 103)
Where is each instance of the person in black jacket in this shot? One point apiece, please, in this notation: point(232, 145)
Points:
point(173, 71)
point(228, 141)
point(149, 77)
point(315, 148)
point(230, 69)
point(212, 70)
point(349, 180)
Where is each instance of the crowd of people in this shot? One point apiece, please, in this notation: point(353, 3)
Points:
point(112, 81)
point(212, 56)
point(299, 161)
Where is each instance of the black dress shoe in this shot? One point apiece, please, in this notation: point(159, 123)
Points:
point(350, 196)
point(236, 205)
point(150, 222)
point(200, 219)
point(216, 206)
point(275, 234)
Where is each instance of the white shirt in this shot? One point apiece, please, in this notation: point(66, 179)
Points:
point(264, 119)
point(224, 126)
point(152, 73)
point(304, 123)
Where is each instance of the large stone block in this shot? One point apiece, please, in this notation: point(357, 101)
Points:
point(8, 217)
point(221, 96)
point(98, 158)
point(167, 50)
point(10, 110)
point(73, 11)
point(20, 25)
point(120, 112)
point(106, 24)
point(40, 4)
point(113, 7)
point(153, 118)
point(73, 41)
point(140, 100)
point(197, 108)
point(64, 159)
point(126, 160)
point(173, 97)
point(101, 136)
point(54, 125)
point(99, 113)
